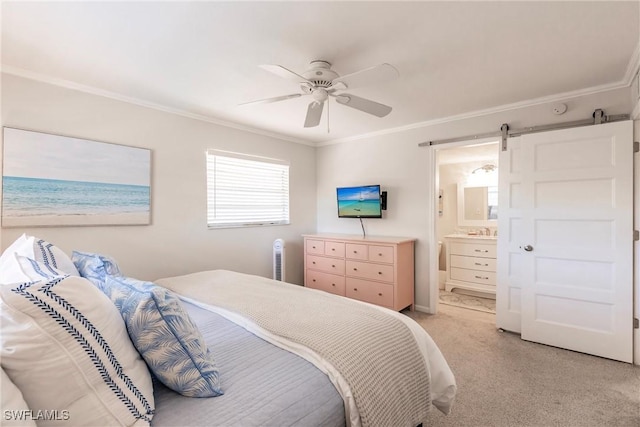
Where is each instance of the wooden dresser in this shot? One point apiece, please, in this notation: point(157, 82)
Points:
point(378, 270)
point(471, 263)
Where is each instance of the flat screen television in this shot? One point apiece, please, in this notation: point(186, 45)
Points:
point(359, 202)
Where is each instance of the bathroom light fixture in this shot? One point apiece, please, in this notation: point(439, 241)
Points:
point(486, 168)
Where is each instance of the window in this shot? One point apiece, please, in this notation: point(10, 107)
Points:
point(246, 190)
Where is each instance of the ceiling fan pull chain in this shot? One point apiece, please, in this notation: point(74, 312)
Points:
point(328, 130)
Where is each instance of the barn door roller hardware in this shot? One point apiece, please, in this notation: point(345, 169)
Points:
point(598, 118)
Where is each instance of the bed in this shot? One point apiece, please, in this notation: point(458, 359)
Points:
point(284, 354)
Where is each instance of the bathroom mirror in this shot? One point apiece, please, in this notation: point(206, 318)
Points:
point(477, 206)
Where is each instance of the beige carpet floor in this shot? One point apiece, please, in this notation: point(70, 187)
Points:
point(505, 381)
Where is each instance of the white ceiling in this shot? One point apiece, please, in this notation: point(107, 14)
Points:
point(202, 58)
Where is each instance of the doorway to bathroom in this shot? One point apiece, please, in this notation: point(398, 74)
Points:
point(466, 224)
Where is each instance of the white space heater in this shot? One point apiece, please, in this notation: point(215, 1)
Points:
point(278, 260)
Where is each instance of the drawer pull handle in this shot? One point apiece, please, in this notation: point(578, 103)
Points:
point(313, 247)
point(380, 294)
point(333, 284)
point(483, 265)
point(355, 269)
point(333, 266)
point(379, 272)
point(314, 280)
point(355, 289)
point(481, 250)
point(333, 249)
point(480, 277)
point(313, 262)
point(379, 254)
point(355, 252)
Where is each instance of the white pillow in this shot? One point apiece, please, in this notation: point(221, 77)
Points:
point(49, 254)
point(39, 250)
point(15, 411)
point(65, 345)
point(10, 271)
point(35, 270)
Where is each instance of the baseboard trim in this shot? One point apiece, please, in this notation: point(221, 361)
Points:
point(422, 309)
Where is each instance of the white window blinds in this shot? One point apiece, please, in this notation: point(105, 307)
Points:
point(246, 190)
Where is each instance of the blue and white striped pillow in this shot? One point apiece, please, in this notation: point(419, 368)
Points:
point(65, 346)
point(166, 337)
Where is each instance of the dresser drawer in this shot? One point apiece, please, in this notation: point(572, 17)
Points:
point(334, 249)
point(315, 247)
point(366, 270)
point(372, 292)
point(325, 282)
point(473, 263)
point(328, 265)
point(355, 251)
point(473, 249)
point(381, 254)
point(475, 276)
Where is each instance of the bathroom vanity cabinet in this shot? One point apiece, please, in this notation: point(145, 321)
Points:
point(471, 263)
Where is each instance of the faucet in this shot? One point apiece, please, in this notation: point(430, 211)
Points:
point(487, 231)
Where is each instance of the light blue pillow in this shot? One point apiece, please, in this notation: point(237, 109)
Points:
point(166, 337)
point(95, 267)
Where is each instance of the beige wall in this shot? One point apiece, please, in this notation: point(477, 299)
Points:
point(403, 169)
point(178, 240)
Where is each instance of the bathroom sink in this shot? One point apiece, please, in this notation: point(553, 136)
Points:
point(473, 236)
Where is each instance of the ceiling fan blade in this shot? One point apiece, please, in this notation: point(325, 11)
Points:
point(314, 112)
point(274, 99)
point(280, 71)
point(368, 76)
point(363, 104)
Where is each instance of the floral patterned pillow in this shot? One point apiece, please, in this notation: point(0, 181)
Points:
point(95, 267)
point(166, 337)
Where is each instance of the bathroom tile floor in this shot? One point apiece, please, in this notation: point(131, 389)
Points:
point(487, 305)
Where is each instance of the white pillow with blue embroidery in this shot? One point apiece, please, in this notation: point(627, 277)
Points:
point(66, 348)
point(35, 270)
point(166, 336)
point(10, 271)
point(95, 267)
point(36, 249)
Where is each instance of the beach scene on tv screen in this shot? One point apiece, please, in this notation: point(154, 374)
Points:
point(359, 201)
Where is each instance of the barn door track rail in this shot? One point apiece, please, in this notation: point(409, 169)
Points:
point(505, 132)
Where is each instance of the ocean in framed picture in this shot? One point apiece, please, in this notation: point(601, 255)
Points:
point(51, 180)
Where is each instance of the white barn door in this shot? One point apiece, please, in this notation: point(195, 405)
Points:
point(566, 239)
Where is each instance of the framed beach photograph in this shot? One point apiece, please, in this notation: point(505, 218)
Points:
point(52, 180)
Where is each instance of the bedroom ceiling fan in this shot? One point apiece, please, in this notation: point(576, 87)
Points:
point(321, 82)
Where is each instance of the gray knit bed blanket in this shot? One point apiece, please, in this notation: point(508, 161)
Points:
point(374, 352)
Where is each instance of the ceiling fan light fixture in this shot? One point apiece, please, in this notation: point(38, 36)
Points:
point(320, 81)
point(320, 95)
point(485, 168)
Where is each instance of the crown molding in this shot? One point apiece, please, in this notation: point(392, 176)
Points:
point(485, 112)
point(19, 72)
point(632, 69)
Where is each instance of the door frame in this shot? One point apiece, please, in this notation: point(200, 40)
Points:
point(432, 165)
point(432, 207)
